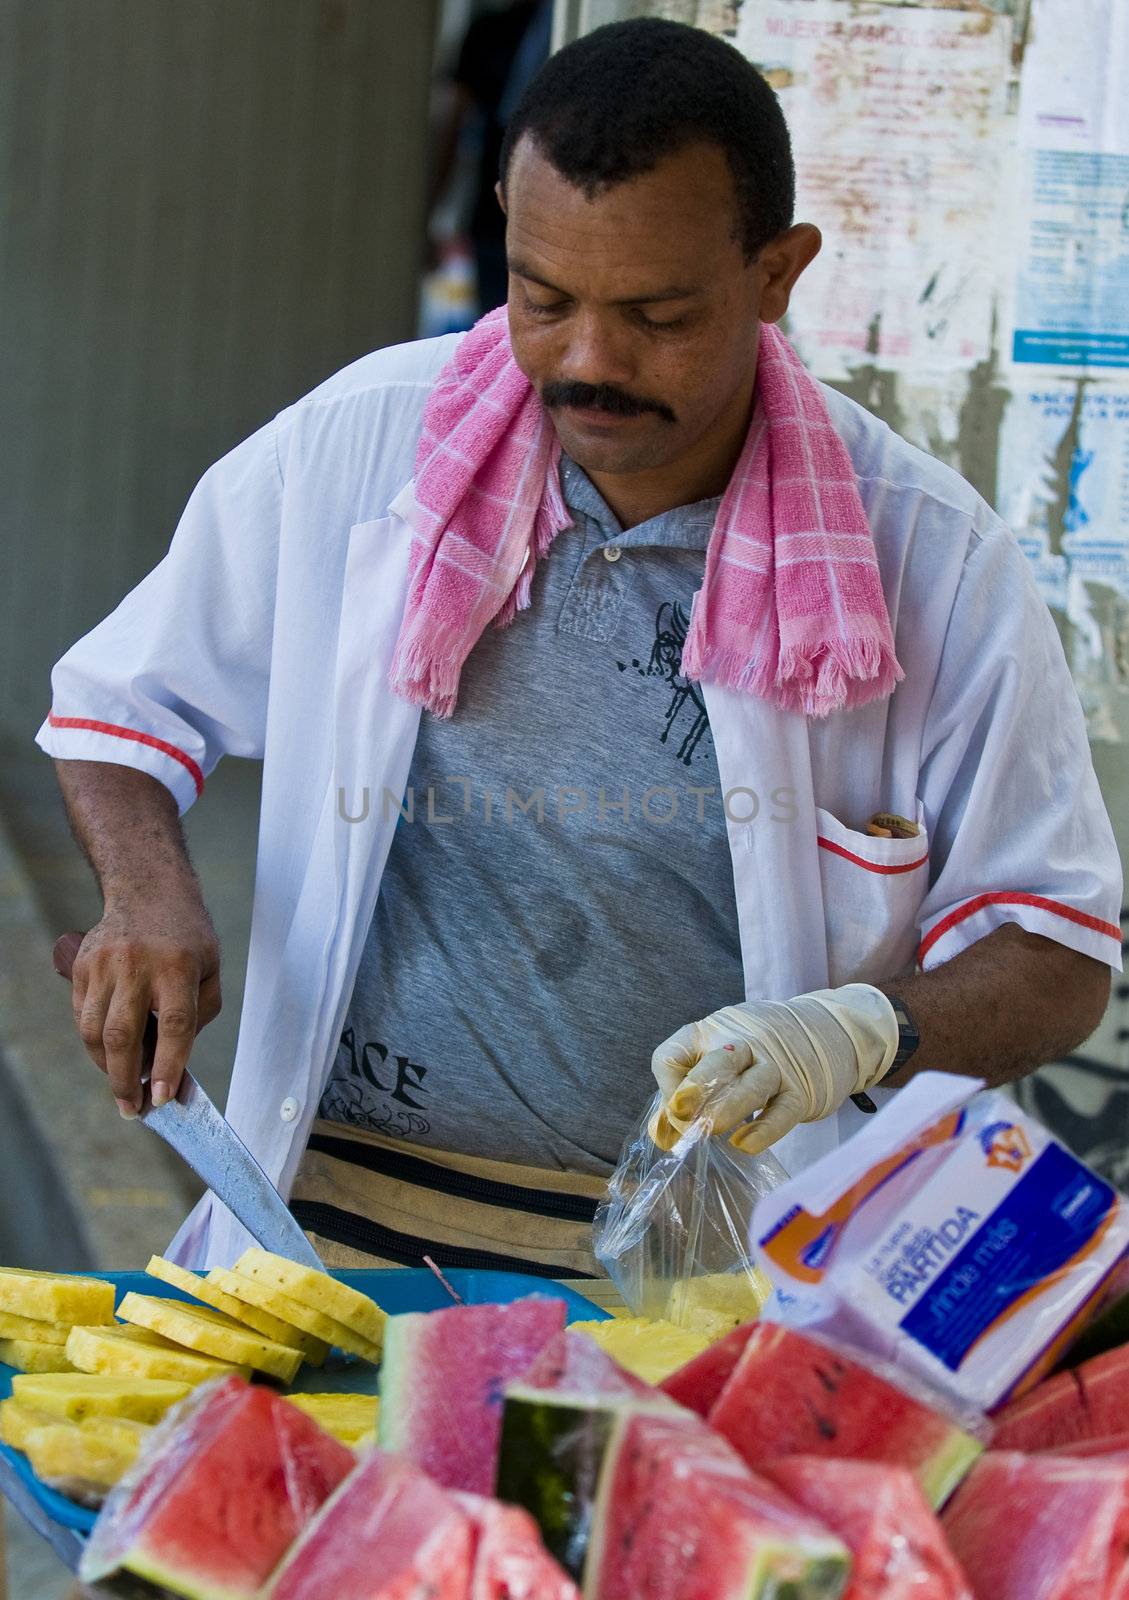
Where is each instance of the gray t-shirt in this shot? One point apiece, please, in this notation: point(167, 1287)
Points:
point(561, 899)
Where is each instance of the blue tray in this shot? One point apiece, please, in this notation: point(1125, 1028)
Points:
point(394, 1288)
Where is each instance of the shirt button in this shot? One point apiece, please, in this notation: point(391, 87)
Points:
point(288, 1110)
point(612, 552)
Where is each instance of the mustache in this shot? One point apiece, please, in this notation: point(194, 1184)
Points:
point(601, 397)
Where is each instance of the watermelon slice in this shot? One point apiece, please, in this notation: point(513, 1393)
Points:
point(791, 1394)
point(221, 1490)
point(572, 1363)
point(389, 1533)
point(1087, 1402)
point(1042, 1528)
point(442, 1379)
point(898, 1551)
point(510, 1560)
point(680, 1517)
point(1110, 1444)
point(699, 1383)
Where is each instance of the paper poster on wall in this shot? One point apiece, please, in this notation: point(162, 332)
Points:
point(897, 120)
point(1052, 476)
point(1070, 307)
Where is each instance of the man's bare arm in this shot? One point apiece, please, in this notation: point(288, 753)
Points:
point(1008, 1003)
point(155, 948)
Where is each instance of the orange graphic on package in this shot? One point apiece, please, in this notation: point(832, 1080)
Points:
point(1006, 1145)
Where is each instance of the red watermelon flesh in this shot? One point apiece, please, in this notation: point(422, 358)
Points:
point(510, 1560)
point(442, 1379)
point(680, 1517)
point(898, 1551)
point(389, 1533)
point(222, 1490)
point(793, 1395)
point(572, 1363)
point(1110, 1444)
point(1042, 1528)
point(1087, 1402)
point(699, 1383)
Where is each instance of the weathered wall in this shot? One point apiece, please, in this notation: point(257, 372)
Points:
point(205, 207)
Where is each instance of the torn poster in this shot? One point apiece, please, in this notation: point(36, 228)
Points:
point(897, 121)
point(1070, 307)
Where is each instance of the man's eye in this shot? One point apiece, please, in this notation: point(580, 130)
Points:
point(650, 322)
point(552, 308)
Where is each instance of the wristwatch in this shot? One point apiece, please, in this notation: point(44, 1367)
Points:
point(908, 1041)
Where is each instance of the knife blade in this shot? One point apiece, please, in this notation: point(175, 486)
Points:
point(198, 1132)
point(194, 1127)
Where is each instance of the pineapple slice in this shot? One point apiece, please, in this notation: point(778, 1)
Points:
point(77, 1461)
point(317, 1290)
point(210, 1332)
point(29, 1355)
point(280, 1305)
point(17, 1421)
point(348, 1417)
point(55, 1296)
point(13, 1327)
point(312, 1350)
point(649, 1349)
point(134, 1352)
point(75, 1395)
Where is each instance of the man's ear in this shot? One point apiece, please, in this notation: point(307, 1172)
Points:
point(781, 263)
point(501, 195)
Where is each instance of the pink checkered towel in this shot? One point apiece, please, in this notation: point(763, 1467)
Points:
point(791, 606)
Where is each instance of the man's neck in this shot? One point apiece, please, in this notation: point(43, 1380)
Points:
point(703, 472)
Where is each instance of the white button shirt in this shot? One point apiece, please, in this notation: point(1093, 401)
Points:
point(268, 631)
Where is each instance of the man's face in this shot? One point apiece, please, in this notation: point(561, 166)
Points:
point(634, 315)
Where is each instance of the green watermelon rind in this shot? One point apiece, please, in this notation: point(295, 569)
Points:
point(400, 1337)
point(940, 1475)
point(172, 1578)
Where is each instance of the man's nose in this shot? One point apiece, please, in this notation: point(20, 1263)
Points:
point(596, 352)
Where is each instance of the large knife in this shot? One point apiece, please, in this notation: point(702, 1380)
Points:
point(201, 1136)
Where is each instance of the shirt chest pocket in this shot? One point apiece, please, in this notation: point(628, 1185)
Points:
point(872, 893)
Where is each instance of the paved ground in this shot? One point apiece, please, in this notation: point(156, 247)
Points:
point(83, 1189)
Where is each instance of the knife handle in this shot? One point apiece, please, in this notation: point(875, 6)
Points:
point(64, 954)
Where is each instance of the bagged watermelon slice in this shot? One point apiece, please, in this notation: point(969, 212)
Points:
point(442, 1379)
point(510, 1559)
point(791, 1394)
point(698, 1384)
point(556, 1425)
point(898, 1551)
point(219, 1493)
point(1042, 1528)
point(1088, 1402)
point(389, 1533)
point(680, 1517)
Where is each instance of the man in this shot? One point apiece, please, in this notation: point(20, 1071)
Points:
point(777, 716)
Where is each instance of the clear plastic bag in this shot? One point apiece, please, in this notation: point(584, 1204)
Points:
point(673, 1233)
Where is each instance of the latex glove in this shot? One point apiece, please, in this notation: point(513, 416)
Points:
point(782, 1063)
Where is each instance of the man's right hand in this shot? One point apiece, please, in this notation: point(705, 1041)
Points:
point(157, 959)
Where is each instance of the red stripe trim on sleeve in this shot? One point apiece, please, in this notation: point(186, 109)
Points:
point(1006, 898)
point(112, 728)
point(871, 866)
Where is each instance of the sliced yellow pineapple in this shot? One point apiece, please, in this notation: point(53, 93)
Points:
point(13, 1327)
point(28, 1355)
point(120, 1432)
point(348, 1417)
point(210, 1332)
point(17, 1421)
point(76, 1460)
point(311, 1349)
point(317, 1290)
point(718, 1301)
point(135, 1352)
point(75, 1395)
point(280, 1305)
point(651, 1350)
point(55, 1296)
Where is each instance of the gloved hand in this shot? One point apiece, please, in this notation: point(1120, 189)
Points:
point(791, 1063)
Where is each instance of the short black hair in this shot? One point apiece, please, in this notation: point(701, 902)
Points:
point(614, 103)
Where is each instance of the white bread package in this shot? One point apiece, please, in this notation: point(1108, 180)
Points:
point(953, 1237)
